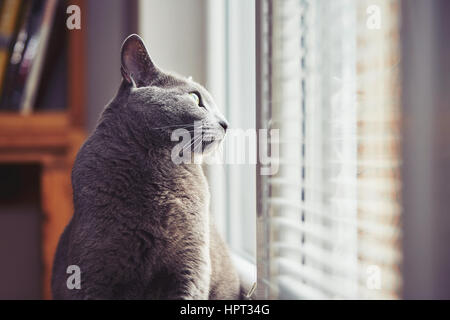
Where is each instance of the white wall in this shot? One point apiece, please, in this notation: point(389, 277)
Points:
point(106, 29)
point(175, 34)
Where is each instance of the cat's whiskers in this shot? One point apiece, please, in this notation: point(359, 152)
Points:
point(187, 146)
point(194, 141)
point(186, 125)
point(195, 130)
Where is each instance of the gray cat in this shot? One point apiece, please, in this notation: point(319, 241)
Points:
point(141, 227)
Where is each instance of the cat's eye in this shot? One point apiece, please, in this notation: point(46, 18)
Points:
point(195, 97)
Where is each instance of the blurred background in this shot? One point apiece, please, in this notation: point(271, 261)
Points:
point(358, 90)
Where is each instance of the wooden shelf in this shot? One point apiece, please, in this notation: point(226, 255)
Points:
point(53, 122)
point(41, 132)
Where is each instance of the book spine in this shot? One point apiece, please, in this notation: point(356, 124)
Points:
point(43, 36)
point(9, 17)
point(13, 78)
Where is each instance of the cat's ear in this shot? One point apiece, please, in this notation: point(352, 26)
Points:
point(137, 67)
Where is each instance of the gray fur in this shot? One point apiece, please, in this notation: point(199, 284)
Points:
point(141, 227)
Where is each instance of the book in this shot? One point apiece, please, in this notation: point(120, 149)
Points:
point(28, 55)
point(11, 78)
point(9, 17)
point(35, 56)
point(53, 87)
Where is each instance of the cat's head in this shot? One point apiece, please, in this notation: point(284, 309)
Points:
point(159, 102)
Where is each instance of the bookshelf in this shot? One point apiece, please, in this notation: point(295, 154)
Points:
point(51, 139)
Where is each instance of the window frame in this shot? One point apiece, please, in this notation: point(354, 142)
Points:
point(225, 44)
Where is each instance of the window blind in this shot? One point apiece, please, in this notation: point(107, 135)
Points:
point(328, 220)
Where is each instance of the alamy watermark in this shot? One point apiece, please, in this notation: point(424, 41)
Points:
point(373, 280)
point(73, 21)
point(74, 280)
point(373, 17)
point(240, 147)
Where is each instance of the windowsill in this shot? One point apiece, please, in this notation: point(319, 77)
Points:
point(246, 271)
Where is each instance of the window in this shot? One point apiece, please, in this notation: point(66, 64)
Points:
point(328, 221)
point(231, 79)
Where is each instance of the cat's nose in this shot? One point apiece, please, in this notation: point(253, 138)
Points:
point(223, 124)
